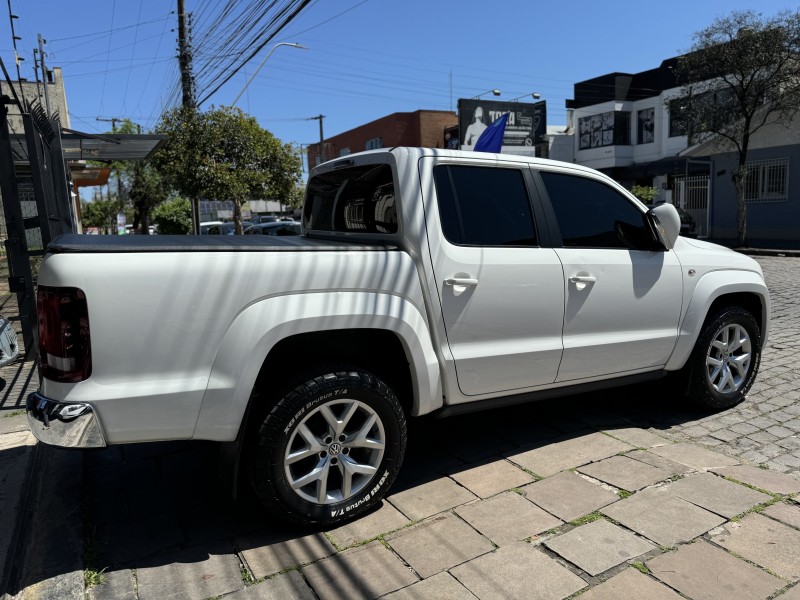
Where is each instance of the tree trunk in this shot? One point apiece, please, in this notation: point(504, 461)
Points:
point(237, 216)
point(739, 176)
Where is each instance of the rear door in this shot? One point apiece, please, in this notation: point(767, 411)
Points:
point(502, 294)
point(622, 295)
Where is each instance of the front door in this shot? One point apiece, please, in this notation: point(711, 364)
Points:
point(622, 296)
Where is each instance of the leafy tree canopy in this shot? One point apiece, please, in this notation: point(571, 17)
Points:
point(173, 217)
point(224, 154)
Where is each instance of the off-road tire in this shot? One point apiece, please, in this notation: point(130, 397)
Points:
point(312, 402)
point(716, 389)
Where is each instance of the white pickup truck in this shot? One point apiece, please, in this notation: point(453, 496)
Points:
point(425, 281)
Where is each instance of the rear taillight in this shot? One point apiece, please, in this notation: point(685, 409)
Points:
point(65, 353)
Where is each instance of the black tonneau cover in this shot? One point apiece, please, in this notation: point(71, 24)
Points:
point(76, 243)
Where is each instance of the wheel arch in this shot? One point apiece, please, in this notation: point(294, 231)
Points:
point(252, 351)
point(713, 292)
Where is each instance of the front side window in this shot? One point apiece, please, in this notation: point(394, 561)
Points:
point(591, 214)
point(645, 126)
point(355, 199)
point(484, 206)
point(678, 120)
point(611, 128)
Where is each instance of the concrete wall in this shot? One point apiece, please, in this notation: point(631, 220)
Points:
point(33, 92)
point(769, 224)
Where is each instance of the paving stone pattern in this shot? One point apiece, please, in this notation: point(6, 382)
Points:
point(622, 493)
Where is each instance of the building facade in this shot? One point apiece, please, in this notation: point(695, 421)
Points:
point(633, 128)
point(33, 91)
point(422, 128)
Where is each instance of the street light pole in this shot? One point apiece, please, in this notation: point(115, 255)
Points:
point(493, 92)
point(534, 95)
point(321, 153)
point(292, 44)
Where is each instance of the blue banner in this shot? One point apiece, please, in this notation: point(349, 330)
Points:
point(491, 140)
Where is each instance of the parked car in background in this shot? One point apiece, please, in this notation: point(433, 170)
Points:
point(211, 227)
point(255, 219)
point(276, 228)
point(9, 344)
point(688, 227)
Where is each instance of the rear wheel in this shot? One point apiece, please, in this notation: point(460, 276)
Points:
point(330, 448)
point(725, 359)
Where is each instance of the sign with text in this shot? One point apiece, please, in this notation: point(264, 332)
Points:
point(527, 122)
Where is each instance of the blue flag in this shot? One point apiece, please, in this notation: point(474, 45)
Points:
point(491, 139)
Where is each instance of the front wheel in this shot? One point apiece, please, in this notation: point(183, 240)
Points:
point(725, 359)
point(329, 449)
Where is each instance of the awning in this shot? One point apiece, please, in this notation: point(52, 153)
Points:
point(77, 145)
point(108, 146)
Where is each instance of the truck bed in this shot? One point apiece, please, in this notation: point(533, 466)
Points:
point(127, 244)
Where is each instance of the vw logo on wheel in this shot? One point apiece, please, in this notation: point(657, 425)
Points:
point(334, 449)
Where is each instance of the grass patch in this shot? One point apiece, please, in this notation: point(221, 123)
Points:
point(92, 577)
point(587, 519)
point(15, 413)
point(624, 493)
point(752, 487)
point(641, 567)
point(247, 576)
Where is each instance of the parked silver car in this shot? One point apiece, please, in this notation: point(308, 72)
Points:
point(276, 228)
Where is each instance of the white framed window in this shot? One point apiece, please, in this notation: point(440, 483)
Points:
point(767, 180)
point(344, 151)
point(373, 144)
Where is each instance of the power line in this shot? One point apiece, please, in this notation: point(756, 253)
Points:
point(108, 55)
point(113, 30)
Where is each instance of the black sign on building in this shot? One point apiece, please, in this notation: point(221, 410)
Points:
point(527, 122)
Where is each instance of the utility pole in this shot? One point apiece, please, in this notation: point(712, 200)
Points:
point(44, 75)
point(321, 138)
point(36, 74)
point(187, 88)
point(185, 59)
point(113, 121)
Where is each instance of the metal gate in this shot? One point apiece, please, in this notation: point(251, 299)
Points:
point(693, 194)
point(36, 201)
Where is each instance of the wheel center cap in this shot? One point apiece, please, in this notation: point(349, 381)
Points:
point(335, 449)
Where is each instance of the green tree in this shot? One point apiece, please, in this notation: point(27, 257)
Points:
point(224, 154)
point(121, 170)
point(644, 193)
point(148, 190)
point(101, 213)
point(173, 217)
point(742, 73)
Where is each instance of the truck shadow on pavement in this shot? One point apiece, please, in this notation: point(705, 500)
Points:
point(146, 505)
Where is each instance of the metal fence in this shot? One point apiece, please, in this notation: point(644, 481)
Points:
point(36, 204)
point(692, 195)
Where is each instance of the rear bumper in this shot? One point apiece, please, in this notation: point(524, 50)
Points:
point(65, 424)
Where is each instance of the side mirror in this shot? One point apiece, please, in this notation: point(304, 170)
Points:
point(667, 223)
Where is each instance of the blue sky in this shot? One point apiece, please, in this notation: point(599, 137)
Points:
point(366, 58)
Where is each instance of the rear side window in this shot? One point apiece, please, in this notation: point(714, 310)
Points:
point(357, 199)
point(591, 214)
point(484, 206)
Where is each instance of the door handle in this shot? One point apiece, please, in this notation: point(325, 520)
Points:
point(460, 281)
point(582, 279)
